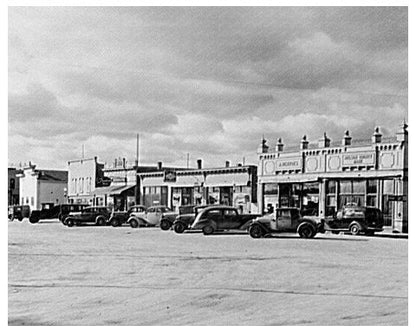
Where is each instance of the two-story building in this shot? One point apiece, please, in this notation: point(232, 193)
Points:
point(41, 186)
point(322, 178)
point(84, 176)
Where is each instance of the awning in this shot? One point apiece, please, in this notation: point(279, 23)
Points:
point(290, 180)
point(119, 190)
point(111, 190)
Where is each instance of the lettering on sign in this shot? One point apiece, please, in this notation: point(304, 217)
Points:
point(288, 164)
point(358, 159)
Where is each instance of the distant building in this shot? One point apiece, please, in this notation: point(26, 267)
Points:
point(13, 186)
point(84, 176)
point(322, 178)
point(38, 186)
point(230, 185)
point(122, 191)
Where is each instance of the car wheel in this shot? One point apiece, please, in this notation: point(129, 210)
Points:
point(114, 222)
point(179, 228)
point(33, 220)
point(20, 218)
point(11, 217)
point(208, 230)
point(335, 232)
point(100, 221)
point(355, 229)
point(256, 232)
point(306, 232)
point(134, 223)
point(69, 222)
point(165, 225)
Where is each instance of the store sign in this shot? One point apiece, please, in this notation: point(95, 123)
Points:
point(170, 176)
point(357, 159)
point(288, 164)
point(396, 198)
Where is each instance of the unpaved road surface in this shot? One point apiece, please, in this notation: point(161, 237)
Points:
point(125, 276)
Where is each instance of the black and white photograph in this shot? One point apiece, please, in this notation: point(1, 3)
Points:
point(188, 165)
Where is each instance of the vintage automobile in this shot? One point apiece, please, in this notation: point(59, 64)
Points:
point(119, 218)
point(285, 220)
point(149, 218)
point(18, 212)
point(185, 220)
point(96, 215)
point(50, 211)
point(218, 218)
point(169, 218)
point(356, 220)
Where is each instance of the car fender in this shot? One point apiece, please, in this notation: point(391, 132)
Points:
point(256, 222)
point(307, 222)
point(141, 221)
point(355, 222)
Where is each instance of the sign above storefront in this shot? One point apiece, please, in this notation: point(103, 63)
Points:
point(358, 159)
point(288, 164)
point(170, 176)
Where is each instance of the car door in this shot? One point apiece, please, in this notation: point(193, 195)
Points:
point(284, 219)
point(87, 214)
point(230, 219)
point(296, 219)
point(216, 216)
point(153, 215)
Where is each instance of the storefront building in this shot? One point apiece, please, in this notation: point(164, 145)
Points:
point(232, 186)
point(122, 187)
point(320, 179)
point(84, 176)
point(42, 186)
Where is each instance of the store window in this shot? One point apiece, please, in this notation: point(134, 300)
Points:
point(372, 193)
point(352, 192)
point(310, 199)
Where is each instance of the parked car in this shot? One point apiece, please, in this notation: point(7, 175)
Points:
point(356, 220)
point(285, 220)
point(18, 212)
point(151, 217)
point(216, 218)
point(184, 221)
point(96, 215)
point(50, 211)
point(119, 218)
point(169, 218)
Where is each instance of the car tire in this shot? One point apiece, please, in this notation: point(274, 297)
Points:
point(179, 228)
point(208, 230)
point(100, 221)
point(165, 225)
point(335, 232)
point(70, 222)
point(33, 220)
point(20, 218)
point(114, 222)
point(256, 232)
point(306, 232)
point(134, 223)
point(355, 229)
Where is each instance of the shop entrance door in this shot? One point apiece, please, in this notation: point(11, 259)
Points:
point(387, 211)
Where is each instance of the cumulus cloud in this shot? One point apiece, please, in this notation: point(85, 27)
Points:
point(206, 81)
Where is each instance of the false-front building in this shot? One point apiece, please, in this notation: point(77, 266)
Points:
point(320, 179)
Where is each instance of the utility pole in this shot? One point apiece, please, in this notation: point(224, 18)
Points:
point(137, 150)
point(82, 151)
point(187, 160)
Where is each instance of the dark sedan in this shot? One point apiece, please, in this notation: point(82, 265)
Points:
point(217, 218)
point(96, 215)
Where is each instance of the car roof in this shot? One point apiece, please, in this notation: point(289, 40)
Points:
point(214, 207)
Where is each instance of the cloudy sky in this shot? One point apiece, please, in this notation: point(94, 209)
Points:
point(204, 81)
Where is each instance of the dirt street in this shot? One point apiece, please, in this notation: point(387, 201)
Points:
point(125, 276)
